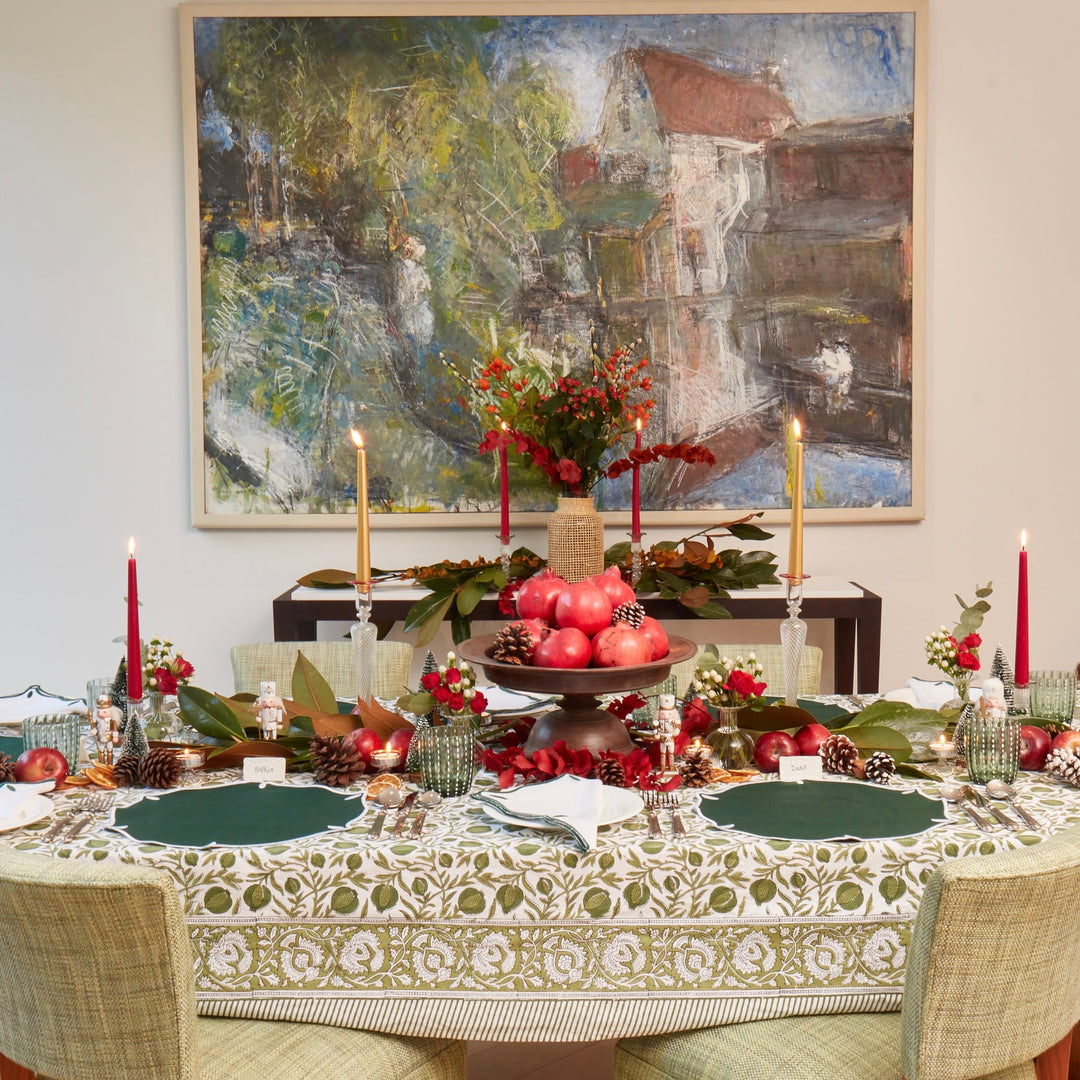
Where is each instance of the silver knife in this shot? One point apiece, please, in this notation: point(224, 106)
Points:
point(678, 826)
point(376, 828)
point(77, 826)
point(986, 804)
point(403, 813)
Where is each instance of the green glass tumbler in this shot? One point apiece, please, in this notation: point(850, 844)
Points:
point(448, 757)
point(992, 748)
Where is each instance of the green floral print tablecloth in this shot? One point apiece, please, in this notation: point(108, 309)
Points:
point(479, 930)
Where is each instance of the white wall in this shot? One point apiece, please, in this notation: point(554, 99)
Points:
point(94, 437)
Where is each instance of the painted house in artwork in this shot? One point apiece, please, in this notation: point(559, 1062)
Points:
point(756, 252)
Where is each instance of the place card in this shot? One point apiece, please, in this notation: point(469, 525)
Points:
point(798, 768)
point(264, 770)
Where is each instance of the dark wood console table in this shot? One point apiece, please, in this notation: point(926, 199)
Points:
point(854, 611)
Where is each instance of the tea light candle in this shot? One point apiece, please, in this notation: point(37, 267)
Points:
point(190, 758)
point(698, 749)
point(385, 759)
point(943, 747)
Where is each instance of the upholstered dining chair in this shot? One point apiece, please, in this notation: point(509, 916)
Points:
point(991, 983)
point(97, 983)
point(771, 659)
point(334, 660)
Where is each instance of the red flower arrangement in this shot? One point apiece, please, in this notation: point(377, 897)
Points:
point(451, 690)
point(163, 670)
point(567, 424)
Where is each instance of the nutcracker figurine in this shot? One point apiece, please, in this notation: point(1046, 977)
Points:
point(105, 727)
point(270, 710)
point(667, 724)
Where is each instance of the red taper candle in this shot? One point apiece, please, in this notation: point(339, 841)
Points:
point(1022, 673)
point(504, 494)
point(134, 645)
point(635, 493)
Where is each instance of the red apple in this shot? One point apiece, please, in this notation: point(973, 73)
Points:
point(41, 763)
point(771, 747)
point(399, 740)
point(1066, 740)
point(1034, 746)
point(583, 606)
point(617, 590)
point(657, 635)
point(810, 737)
point(366, 742)
point(536, 597)
point(621, 646)
point(567, 648)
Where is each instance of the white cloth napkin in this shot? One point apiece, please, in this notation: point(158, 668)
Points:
point(927, 694)
point(571, 803)
point(35, 702)
point(15, 798)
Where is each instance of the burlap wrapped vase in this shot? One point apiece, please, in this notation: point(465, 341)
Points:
point(576, 539)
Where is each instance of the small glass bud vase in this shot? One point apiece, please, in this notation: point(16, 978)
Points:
point(161, 721)
point(733, 748)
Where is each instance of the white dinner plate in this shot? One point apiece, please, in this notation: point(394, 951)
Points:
point(617, 804)
point(35, 808)
point(513, 701)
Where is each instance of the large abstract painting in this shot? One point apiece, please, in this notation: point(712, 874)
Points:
point(377, 199)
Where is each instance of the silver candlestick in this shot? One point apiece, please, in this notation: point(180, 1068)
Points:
point(363, 633)
point(793, 637)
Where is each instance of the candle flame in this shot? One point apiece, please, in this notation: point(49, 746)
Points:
point(131, 547)
point(639, 423)
point(357, 438)
point(1023, 539)
point(504, 425)
point(796, 429)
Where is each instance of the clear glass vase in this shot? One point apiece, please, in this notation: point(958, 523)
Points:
point(162, 717)
point(733, 748)
point(967, 711)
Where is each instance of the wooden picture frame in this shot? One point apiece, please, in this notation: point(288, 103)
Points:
point(375, 189)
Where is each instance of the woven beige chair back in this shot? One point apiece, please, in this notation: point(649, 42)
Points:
point(334, 660)
point(95, 970)
point(771, 658)
point(991, 977)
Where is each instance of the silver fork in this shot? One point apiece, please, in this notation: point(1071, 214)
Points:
point(93, 806)
point(651, 803)
point(672, 801)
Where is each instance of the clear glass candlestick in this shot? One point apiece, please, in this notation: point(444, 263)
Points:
point(793, 637)
point(637, 560)
point(505, 549)
point(363, 633)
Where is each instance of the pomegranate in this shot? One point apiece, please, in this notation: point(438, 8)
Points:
point(618, 592)
point(567, 648)
point(621, 646)
point(583, 606)
point(810, 737)
point(656, 634)
point(536, 597)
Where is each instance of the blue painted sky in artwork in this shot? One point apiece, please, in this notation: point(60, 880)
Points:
point(830, 66)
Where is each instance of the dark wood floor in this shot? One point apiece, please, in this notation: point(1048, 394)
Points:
point(540, 1061)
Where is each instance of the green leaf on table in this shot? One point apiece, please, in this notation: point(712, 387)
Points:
point(208, 714)
point(328, 579)
point(309, 688)
point(906, 768)
point(870, 739)
point(426, 614)
point(778, 717)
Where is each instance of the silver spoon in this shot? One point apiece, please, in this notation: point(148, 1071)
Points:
point(427, 801)
point(998, 789)
point(388, 798)
point(955, 793)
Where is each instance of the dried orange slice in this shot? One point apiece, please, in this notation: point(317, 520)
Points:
point(382, 782)
point(98, 776)
point(77, 780)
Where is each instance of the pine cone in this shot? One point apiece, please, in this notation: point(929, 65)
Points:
point(514, 644)
point(611, 772)
point(7, 769)
point(838, 754)
point(632, 614)
point(1064, 764)
point(335, 760)
point(879, 767)
point(696, 770)
point(126, 771)
point(159, 769)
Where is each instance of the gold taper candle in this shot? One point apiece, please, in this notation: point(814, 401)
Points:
point(795, 548)
point(363, 537)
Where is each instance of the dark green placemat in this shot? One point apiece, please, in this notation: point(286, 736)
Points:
point(236, 814)
point(11, 747)
point(823, 810)
point(821, 711)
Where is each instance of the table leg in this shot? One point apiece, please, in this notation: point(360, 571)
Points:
point(869, 645)
point(10, 1071)
point(844, 656)
point(1054, 1064)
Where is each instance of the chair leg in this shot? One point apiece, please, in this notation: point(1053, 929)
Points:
point(10, 1071)
point(1053, 1064)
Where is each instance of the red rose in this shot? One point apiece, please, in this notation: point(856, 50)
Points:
point(972, 641)
point(456, 701)
point(967, 660)
point(452, 676)
point(742, 683)
point(166, 680)
point(430, 680)
point(183, 669)
point(442, 695)
point(478, 703)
